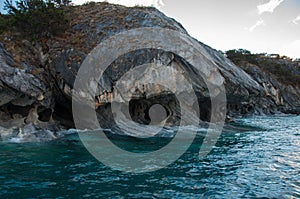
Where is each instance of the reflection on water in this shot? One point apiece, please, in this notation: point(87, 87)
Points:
point(253, 163)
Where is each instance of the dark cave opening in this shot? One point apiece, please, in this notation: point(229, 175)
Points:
point(155, 109)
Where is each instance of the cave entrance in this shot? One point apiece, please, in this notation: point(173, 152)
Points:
point(154, 110)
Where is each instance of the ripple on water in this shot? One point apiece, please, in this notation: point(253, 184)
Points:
point(258, 162)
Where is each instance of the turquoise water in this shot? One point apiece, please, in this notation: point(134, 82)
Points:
point(259, 162)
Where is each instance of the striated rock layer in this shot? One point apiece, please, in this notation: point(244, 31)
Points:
point(37, 78)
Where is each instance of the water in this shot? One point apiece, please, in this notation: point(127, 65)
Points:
point(259, 162)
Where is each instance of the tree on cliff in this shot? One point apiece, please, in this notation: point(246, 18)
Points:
point(37, 18)
point(239, 55)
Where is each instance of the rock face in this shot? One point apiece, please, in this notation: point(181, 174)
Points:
point(284, 96)
point(37, 79)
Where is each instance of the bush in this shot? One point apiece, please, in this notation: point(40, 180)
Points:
point(38, 18)
point(5, 23)
point(236, 56)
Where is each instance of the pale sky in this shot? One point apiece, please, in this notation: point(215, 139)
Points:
point(271, 26)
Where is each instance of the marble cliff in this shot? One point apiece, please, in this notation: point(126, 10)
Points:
point(37, 78)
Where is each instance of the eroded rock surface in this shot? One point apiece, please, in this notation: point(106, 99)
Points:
point(37, 79)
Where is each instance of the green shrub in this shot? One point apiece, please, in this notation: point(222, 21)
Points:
point(236, 56)
point(38, 18)
point(5, 23)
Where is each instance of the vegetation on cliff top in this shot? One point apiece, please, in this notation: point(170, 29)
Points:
point(283, 68)
point(35, 18)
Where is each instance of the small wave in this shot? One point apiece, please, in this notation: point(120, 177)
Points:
point(30, 133)
point(27, 135)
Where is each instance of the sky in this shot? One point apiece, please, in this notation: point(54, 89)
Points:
point(261, 26)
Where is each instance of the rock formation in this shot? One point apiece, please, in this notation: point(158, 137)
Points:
point(37, 78)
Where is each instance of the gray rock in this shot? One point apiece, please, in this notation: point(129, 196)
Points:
point(18, 79)
point(48, 94)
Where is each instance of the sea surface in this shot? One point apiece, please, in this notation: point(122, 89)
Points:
point(258, 157)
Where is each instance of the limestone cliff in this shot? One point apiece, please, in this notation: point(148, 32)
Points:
point(37, 78)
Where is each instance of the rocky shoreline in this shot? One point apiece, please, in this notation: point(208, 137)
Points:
point(37, 78)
